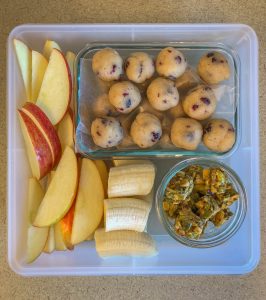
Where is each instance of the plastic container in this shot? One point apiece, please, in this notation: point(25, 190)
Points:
point(89, 88)
point(238, 255)
point(212, 236)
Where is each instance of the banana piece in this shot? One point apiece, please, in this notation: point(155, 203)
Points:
point(131, 180)
point(126, 214)
point(124, 243)
point(125, 162)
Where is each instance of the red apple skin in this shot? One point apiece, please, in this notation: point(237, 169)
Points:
point(47, 127)
point(41, 147)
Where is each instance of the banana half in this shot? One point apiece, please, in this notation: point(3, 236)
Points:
point(124, 243)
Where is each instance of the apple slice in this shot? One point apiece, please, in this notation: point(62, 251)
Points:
point(37, 237)
point(101, 166)
point(38, 151)
point(65, 131)
point(48, 47)
point(61, 191)
point(70, 57)
point(50, 243)
point(39, 65)
point(59, 240)
point(66, 227)
point(89, 202)
point(46, 128)
point(56, 89)
point(24, 59)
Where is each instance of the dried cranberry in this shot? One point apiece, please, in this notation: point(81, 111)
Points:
point(125, 94)
point(231, 129)
point(121, 109)
point(195, 107)
point(113, 69)
point(104, 121)
point(155, 136)
point(164, 101)
point(205, 100)
point(178, 59)
point(222, 61)
point(210, 54)
point(128, 103)
point(221, 126)
point(214, 59)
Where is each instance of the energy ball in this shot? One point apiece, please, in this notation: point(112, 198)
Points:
point(102, 107)
point(171, 63)
point(200, 103)
point(106, 132)
point(107, 64)
point(146, 130)
point(124, 96)
point(177, 111)
point(162, 94)
point(186, 133)
point(219, 135)
point(213, 68)
point(139, 67)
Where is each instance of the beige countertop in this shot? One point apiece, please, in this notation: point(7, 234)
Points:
point(15, 12)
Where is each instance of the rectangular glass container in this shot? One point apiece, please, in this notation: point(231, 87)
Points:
point(88, 87)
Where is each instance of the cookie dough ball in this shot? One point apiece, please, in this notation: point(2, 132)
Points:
point(186, 133)
point(200, 103)
point(162, 94)
point(213, 68)
point(219, 135)
point(107, 64)
point(106, 132)
point(171, 63)
point(177, 111)
point(124, 96)
point(146, 130)
point(102, 107)
point(139, 67)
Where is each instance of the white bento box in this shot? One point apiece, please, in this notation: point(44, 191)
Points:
point(237, 256)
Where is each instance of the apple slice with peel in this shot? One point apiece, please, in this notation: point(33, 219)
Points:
point(46, 128)
point(61, 191)
point(65, 131)
point(38, 66)
point(23, 53)
point(101, 166)
point(38, 151)
point(55, 93)
point(89, 202)
point(37, 237)
point(50, 243)
point(48, 47)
